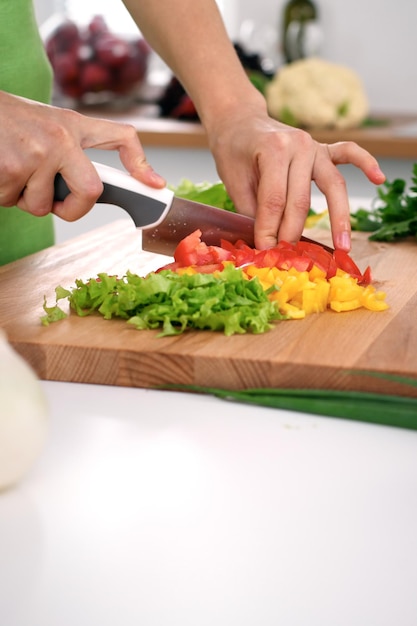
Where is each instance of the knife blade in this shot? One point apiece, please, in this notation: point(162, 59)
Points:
point(164, 218)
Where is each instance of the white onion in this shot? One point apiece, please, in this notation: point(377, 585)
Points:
point(23, 416)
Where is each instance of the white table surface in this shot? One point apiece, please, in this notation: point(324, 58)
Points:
point(159, 508)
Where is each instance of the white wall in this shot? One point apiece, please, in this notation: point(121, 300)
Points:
point(375, 38)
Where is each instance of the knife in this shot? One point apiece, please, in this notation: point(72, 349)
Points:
point(164, 218)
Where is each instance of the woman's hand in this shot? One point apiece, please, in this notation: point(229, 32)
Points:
point(268, 168)
point(37, 141)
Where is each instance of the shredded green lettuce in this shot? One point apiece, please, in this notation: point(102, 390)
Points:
point(206, 193)
point(226, 301)
point(53, 314)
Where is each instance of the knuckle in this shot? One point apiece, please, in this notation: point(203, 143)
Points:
point(38, 210)
point(304, 138)
point(338, 179)
point(56, 135)
point(12, 182)
point(8, 200)
point(301, 138)
point(348, 145)
point(92, 189)
point(274, 203)
point(128, 133)
point(130, 130)
point(59, 133)
point(301, 203)
point(10, 170)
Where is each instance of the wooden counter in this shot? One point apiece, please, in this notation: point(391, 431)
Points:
point(392, 136)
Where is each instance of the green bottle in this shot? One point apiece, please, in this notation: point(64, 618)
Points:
point(301, 33)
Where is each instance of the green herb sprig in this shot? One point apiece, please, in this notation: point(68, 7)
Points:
point(395, 214)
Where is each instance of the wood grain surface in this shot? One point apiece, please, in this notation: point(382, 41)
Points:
point(322, 351)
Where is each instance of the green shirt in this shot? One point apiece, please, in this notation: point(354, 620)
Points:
point(24, 71)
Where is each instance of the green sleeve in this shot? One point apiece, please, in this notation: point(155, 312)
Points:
point(24, 71)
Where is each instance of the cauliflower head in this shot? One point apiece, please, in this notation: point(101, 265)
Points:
point(314, 93)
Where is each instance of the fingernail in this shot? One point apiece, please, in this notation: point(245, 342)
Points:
point(343, 241)
point(378, 175)
point(156, 177)
point(149, 177)
point(381, 174)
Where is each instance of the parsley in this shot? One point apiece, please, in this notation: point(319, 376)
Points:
point(395, 214)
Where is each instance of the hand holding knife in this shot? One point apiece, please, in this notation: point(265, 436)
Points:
point(164, 218)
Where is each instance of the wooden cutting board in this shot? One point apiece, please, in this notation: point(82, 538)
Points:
point(322, 351)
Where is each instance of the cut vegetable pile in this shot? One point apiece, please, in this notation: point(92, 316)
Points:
point(231, 288)
point(237, 289)
point(301, 278)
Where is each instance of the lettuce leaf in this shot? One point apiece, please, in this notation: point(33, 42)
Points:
point(206, 193)
point(225, 301)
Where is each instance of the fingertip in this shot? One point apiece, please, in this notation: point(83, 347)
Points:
point(264, 242)
point(138, 167)
point(377, 176)
point(342, 241)
point(155, 179)
point(147, 175)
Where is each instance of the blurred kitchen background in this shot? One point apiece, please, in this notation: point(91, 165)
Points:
point(377, 40)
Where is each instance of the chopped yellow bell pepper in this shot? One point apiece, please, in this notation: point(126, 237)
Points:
point(373, 300)
point(186, 270)
point(344, 305)
point(298, 294)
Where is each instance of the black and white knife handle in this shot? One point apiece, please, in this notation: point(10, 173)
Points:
point(146, 206)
